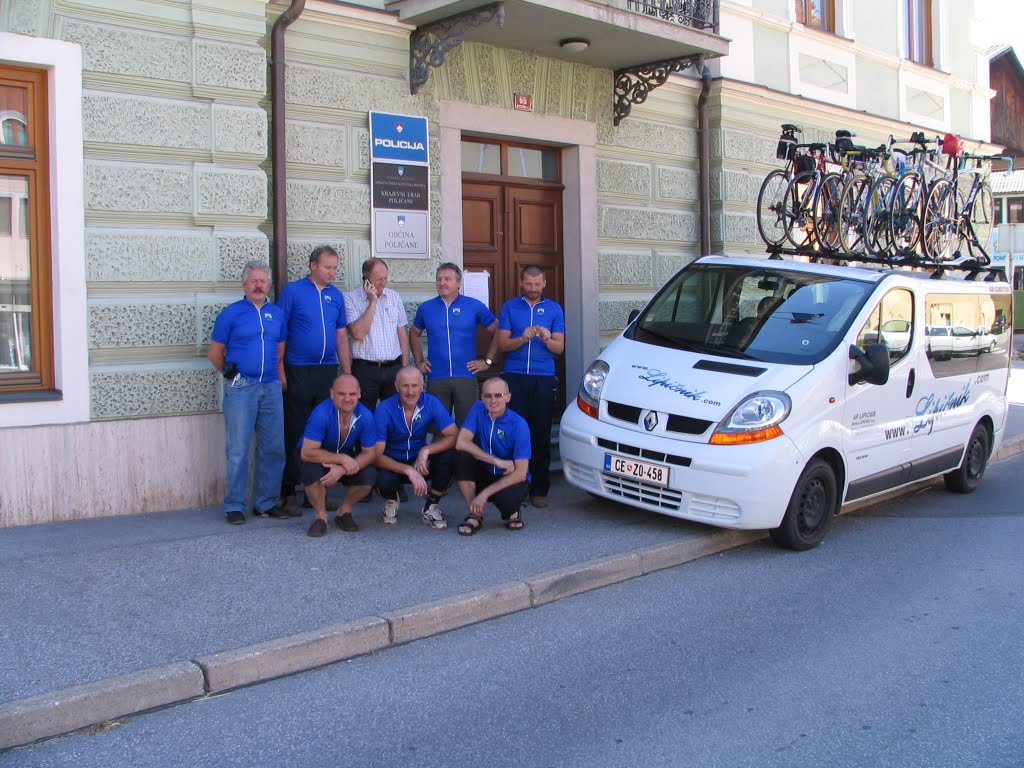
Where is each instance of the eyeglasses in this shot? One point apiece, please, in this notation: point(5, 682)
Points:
point(493, 395)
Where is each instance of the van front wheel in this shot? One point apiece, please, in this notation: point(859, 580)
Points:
point(967, 477)
point(809, 514)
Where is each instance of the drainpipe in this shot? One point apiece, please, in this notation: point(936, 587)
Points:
point(278, 157)
point(704, 159)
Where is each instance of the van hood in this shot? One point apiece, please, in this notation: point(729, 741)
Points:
point(691, 384)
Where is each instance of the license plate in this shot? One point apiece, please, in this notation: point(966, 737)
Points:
point(641, 470)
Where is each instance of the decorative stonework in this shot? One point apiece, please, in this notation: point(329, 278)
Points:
point(455, 68)
point(522, 71)
point(231, 66)
point(120, 256)
point(740, 187)
point(625, 268)
point(154, 392)
point(557, 71)
point(237, 193)
point(141, 325)
point(583, 87)
point(235, 249)
point(142, 188)
point(145, 122)
point(208, 316)
point(362, 140)
point(757, 148)
point(317, 144)
point(241, 130)
point(646, 224)
point(324, 202)
point(122, 52)
point(25, 16)
point(738, 229)
point(668, 263)
point(650, 137)
point(336, 89)
point(613, 315)
point(491, 90)
point(678, 184)
point(624, 178)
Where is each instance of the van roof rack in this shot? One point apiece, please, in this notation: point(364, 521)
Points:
point(971, 269)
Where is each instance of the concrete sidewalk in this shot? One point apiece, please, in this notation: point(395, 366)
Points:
point(104, 618)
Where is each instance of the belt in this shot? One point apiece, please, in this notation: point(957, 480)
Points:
point(379, 364)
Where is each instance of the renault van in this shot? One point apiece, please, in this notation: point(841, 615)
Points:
point(766, 394)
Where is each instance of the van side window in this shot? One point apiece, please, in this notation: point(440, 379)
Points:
point(891, 322)
point(967, 333)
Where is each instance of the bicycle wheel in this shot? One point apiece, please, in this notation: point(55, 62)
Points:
point(800, 196)
point(904, 221)
point(981, 218)
point(941, 231)
point(877, 232)
point(773, 214)
point(826, 211)
point(852, 202)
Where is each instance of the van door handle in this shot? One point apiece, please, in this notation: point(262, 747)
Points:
point(910, 383)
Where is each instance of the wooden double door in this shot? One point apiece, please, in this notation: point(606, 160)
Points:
point(508, 224)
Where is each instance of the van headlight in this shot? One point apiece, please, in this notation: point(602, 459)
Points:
point(589, 397)
point(754, 420)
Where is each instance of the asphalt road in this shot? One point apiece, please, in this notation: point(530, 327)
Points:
point(896, 643)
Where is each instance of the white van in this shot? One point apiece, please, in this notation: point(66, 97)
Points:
point(763, 393)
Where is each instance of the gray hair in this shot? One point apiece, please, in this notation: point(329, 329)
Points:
point(255, 266)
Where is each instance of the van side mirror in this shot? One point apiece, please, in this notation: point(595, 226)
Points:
point(874, 364)
point(633, 315)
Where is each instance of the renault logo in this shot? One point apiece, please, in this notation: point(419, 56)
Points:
point(651, 420)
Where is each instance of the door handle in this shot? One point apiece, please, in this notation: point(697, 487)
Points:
point(910, 383)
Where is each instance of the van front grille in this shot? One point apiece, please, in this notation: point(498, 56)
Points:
point(644, 453)
point(684, 425)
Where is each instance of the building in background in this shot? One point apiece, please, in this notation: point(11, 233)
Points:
point(136, 167)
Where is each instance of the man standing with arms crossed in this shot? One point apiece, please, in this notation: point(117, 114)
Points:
point(338, 445)
point(450, 321)
point(531, 333)
point(317, 347)
point(380, 341)
point(246, 347)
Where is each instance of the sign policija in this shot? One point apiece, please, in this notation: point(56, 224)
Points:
point(399, 186)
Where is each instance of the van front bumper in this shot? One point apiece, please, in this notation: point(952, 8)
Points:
point(730, 486)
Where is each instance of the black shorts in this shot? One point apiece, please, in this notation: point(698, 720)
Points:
point(312, 472)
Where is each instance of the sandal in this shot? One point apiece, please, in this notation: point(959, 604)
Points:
point(514, 522)
point(470, 525)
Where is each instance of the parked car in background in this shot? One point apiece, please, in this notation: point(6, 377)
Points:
point(945, 342)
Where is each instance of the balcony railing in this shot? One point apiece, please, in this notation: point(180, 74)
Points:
point(698, 14)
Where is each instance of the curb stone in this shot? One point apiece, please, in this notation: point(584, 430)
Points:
point(28, 720)
point(25, 721)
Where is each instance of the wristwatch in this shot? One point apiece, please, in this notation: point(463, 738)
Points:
point(488, 361)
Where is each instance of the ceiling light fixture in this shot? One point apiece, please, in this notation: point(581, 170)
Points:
point(574, 44)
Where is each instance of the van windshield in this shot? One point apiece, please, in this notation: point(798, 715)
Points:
point(756, 313)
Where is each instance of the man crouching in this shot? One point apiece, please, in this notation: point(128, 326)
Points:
point(497, 439)
point(338, 445)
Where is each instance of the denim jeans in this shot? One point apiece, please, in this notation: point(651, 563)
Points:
point(251, 408)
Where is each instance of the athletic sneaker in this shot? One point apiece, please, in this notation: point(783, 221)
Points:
point(390, 512)
point(432, 516)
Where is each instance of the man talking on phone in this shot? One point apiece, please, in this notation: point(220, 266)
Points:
point(380, 339)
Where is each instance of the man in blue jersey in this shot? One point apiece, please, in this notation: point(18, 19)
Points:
point(246, 347)
point(338, 445)
point(498, 441)
point(317, 347)
point(403, 423)
point(450, 322)
point(531, 333)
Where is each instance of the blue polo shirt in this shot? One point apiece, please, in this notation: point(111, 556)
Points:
point(507, 437)
point(324, 427)
point(314, 317)
point(251, 335)
point(451, 330)
point(533, 357)
point(402, 442)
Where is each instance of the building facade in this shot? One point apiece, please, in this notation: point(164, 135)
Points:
point(568, 134)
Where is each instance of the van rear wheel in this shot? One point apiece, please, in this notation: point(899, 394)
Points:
point(809, 514)
point(967, 477)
